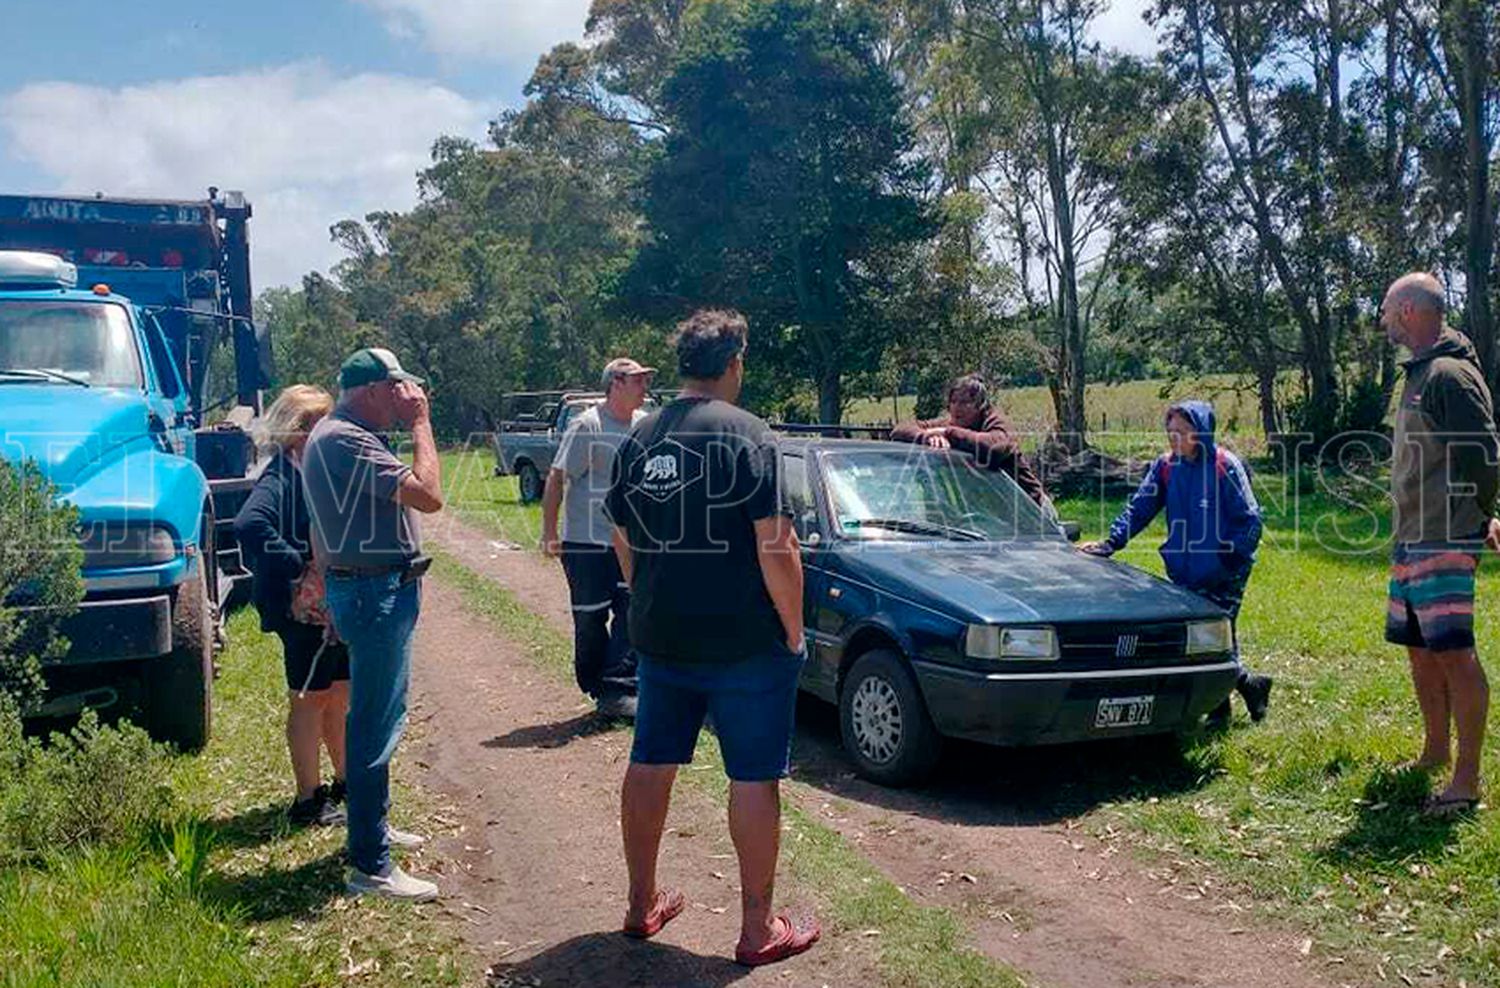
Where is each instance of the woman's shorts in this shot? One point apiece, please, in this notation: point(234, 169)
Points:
point(299, 647)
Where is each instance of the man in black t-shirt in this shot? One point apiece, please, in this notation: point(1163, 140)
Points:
point(716, 620)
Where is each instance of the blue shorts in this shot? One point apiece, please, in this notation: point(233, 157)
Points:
point(753, 702)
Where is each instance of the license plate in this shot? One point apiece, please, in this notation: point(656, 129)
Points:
point(1124, 711)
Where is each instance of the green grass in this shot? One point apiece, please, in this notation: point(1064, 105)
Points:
point(918, 945)
point(1302, 816)
point(230, 897)
point(481, 499)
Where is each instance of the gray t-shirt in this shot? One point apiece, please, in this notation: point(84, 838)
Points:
point(351, 476)
point(587, 456)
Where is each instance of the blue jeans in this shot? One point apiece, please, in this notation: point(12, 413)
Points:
point(375, 616)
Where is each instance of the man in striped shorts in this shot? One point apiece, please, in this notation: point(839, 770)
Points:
point(1444, 479)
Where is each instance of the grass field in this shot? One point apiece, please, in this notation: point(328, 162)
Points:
point(229, 896)
point(1302, 817)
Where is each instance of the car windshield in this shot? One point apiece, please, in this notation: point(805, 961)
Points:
point(907, 492)
point(67, 342)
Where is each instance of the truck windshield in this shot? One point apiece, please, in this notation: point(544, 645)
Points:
point(82, 342)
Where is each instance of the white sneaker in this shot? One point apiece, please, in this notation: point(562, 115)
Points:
point(400, 838)
point(393, 883)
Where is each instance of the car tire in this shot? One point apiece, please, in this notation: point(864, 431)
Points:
point(529, 480)
point(884, 721)
point(179, 685)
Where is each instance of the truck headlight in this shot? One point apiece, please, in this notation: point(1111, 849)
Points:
point(114, 544)
point(990, 641)
point(1209, 636)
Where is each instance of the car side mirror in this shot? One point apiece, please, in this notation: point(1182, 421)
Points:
point(1072, 530)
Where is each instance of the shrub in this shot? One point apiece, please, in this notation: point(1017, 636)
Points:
point(93, 785)
point(41, 580)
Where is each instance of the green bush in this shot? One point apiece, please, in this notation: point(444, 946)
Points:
point(41, 580)
point(93, 785)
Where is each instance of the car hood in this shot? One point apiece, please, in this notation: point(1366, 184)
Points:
point(1045, 582)
point(66, 429)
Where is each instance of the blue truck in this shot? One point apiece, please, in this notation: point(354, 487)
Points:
point(115, 318)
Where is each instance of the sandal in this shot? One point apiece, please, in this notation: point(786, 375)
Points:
point(668, 903)
point(1446, 807)
point(790, 943)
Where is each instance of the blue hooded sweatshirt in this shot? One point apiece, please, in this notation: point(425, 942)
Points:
point(1213, 520)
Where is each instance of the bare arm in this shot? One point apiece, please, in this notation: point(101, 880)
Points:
point(423, 487)
point(781, 568)
point(622, 552)
point(552, 496)
point(915, 431)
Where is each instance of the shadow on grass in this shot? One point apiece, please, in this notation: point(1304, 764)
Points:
point(612, 959)
point(280, 893)
point(1390, 828)
point(979, 785)
point(557, 734)
point(250, 828)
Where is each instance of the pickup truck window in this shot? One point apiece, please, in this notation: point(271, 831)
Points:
point(87, 342)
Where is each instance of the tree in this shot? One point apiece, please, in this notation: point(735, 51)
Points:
point(787, 186)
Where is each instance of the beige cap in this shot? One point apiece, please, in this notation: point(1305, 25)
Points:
point(622, 367)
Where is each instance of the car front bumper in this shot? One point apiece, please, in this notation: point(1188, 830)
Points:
point(1057, 707)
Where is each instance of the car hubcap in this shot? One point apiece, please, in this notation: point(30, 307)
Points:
point(877, 719)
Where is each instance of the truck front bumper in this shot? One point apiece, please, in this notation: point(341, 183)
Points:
point(119, 629)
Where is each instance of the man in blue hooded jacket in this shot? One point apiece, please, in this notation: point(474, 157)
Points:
point(1213, 525)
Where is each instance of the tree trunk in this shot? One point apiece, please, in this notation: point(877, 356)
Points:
point(1479, 230)
point(831, 397)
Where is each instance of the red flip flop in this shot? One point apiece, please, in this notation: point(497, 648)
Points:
point(669, 902)
point(789, 943)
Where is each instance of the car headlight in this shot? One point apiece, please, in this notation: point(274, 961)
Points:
point(991, 641)
point(109, 545)
point(1209, 636)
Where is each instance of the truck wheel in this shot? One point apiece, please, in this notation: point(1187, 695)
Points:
point(884, 721)
point(530, 481)
point(179, 685)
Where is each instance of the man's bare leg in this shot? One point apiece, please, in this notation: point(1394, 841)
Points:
point(1430, 679)
point(755, 826)
point(644, 799)
point(1469, 697)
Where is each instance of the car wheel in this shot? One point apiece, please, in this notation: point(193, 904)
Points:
point(884, 721)
point(530, 481)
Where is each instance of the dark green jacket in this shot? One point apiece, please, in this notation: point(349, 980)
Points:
point(1445, 474)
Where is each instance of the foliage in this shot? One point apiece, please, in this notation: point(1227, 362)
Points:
point(40, 580)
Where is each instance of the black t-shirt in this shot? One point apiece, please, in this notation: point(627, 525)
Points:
point(689, 484)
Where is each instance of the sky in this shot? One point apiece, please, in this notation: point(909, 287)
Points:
point(319, 110)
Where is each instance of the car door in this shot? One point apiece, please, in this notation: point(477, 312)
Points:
point(166, 394)
point(797, 490)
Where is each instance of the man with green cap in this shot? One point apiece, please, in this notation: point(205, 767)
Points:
point(362, 500)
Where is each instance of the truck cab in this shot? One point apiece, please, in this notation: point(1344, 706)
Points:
point(104, 385)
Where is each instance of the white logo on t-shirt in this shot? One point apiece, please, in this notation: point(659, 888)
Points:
point(660, 469)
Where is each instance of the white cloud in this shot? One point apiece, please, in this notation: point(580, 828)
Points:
point(497, 30)
point(1123, 25)
point(307, 148)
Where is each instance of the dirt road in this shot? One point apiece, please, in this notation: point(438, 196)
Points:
point(534, 788)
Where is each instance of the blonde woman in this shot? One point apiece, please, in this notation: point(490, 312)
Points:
point(273, 533)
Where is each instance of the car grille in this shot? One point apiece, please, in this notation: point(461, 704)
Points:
point(1123, 642)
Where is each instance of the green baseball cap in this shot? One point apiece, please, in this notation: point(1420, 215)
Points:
point(372, 365)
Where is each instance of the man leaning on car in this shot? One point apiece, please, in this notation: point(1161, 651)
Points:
point(975, 426)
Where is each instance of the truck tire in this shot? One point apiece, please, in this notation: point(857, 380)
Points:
point(529, 479)
point(884, 723)
point(179, 685)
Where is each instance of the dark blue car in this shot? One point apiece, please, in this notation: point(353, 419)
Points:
point(942, 602)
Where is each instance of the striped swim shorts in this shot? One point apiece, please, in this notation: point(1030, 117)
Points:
point(1431, 601)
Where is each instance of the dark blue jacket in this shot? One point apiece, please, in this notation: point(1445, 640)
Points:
point(272, 529)
point(1213, 520)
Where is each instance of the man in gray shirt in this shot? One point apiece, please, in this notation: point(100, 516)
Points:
point(578, 482)
point(361, 498)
